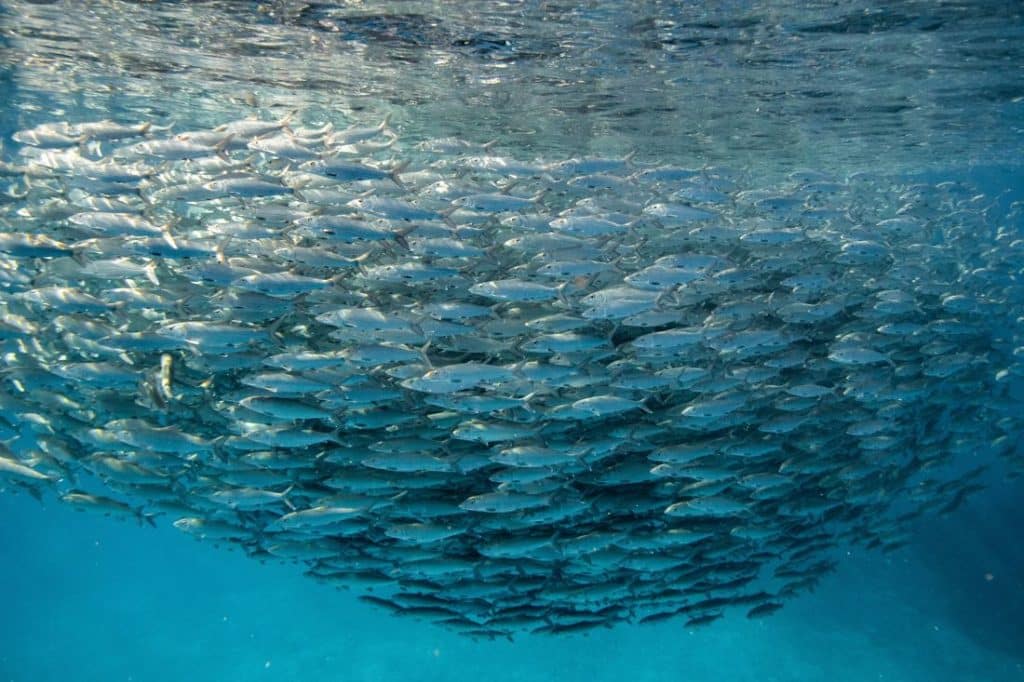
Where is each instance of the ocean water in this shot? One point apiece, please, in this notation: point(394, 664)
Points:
point(91, 598)
point(920, 91)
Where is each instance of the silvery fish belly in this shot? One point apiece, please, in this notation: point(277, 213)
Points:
point(541, 394)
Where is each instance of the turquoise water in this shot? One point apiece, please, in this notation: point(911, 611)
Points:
point(91, 598)
point(919, 91)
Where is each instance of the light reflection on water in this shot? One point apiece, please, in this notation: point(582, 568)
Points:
point(765, 85)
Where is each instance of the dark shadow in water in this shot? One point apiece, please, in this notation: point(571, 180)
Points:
point(977, 554)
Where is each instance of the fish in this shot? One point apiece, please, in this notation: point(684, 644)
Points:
point(11, 467)
point(107, 506)
point(499, 394)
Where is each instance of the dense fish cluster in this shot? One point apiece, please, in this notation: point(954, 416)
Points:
point(496, 394)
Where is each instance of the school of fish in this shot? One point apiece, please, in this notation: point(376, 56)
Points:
point(498, 394)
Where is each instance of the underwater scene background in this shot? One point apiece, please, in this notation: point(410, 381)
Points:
point(94, 598)
point(915, 93)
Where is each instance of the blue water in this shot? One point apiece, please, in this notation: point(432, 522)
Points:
point(86, 597)
point(91, 598)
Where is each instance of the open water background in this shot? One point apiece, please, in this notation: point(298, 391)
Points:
point(90, 598)
point(928, 89)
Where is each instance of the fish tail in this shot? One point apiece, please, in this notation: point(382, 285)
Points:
point(286, 120)
point(159, 128)
point(78, 255)
point(398, 170)
point(145, 517)
point(12, 193)
point(221, 147)
point(423, 354)
point(284, 497)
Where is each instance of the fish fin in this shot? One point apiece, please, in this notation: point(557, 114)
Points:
point(78, 255)
point(359, 263)
point(399, 237)
point(12, 193)
point(664, 295)
point(285, 121)
point(221, 147)
point(272, 334)
point(398, 170)
point(322, 131)
point(616, 265)
point(393, 498)
point(30, 489)
point(446, 216)
point(284, 497)
point(219, 250)
point(150, 269)
point(417, 328)
point(159, 128)
point(561, 293)
point(423, 353)
point(391, 136)
point(165, 232)
point(146, 517)
point(144, 197)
